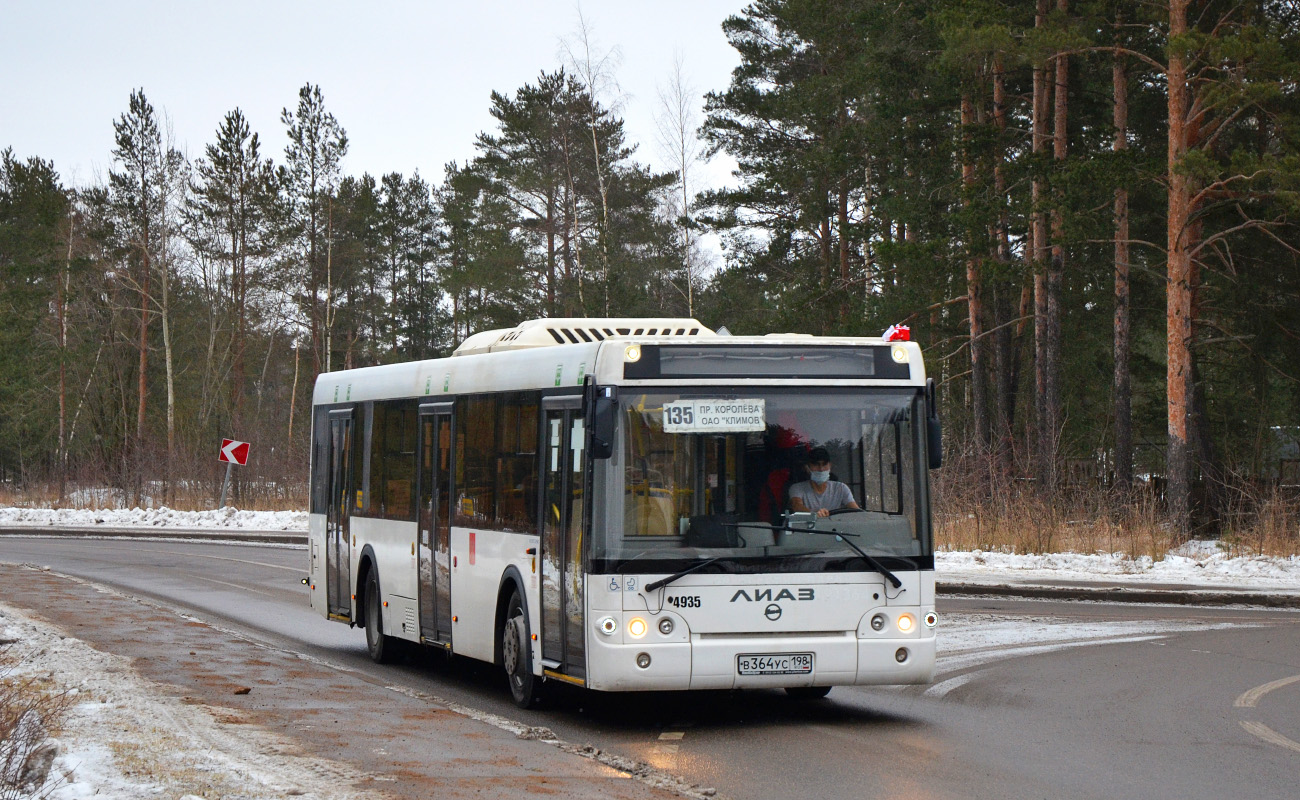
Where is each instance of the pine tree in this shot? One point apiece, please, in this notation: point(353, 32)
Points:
point(139, 190)
point(35, 211)
point(234, 216)
point(317, 145)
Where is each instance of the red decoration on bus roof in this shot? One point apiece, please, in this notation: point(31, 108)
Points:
point(898, 333)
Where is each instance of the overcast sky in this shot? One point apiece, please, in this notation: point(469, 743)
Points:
point(409, 81)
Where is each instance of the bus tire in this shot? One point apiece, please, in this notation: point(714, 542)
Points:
point(516, 654)
point(807, 692)
point(383, 649)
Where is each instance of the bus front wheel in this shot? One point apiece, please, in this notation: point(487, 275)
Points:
point(382, 648)
point(516, 654)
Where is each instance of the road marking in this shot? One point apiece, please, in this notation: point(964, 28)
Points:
point(1250, 697)
point(224, 558)
point(233, 586)
point(672, 736)
point(944, 687)
point(1269, 735)
point(965, 659)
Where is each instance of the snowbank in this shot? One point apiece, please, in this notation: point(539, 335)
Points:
point(162, 517)
point(1198, 563)
point(125, 738)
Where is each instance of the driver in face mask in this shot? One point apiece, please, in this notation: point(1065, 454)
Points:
point(820, 495)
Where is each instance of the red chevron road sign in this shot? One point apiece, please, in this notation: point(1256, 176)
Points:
point(234, 452)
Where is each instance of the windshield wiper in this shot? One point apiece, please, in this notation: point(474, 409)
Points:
point(871, 560)
point(653, 585)
point(650, 587)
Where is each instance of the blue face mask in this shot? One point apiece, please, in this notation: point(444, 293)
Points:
point(820, 475)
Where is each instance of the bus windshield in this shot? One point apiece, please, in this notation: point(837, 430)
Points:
point(709, 474)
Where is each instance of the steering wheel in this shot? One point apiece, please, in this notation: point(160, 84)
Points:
point(839, 511)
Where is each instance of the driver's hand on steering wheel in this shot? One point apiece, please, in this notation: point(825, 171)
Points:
point(823, 512)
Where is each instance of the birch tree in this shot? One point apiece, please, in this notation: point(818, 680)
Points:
point(139, 186)
point(679, 145)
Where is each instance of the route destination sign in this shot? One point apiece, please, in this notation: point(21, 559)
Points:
point(715, 416)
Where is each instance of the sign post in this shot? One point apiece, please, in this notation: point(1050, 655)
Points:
point(232, 452)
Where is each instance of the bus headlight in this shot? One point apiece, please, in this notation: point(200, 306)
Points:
point(608, 625)
point(878, 622)
point(899, 353)
point(665, 626)
point(643, 660)
point(931, 619)
point(906, 623)
point(632, 353)
point(636, 627)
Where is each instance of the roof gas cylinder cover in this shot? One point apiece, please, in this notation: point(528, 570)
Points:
point(578, 330)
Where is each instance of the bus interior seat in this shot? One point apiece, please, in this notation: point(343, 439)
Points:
point(649, 514)
point(774, 498)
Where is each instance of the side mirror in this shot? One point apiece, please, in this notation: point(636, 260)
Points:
point(603, 409)
point(602, 427)
point(934, 442)
point(933, 430)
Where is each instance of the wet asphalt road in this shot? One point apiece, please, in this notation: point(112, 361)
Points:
point(1202, 712)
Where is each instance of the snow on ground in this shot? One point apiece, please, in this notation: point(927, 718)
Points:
point(1199, 564)
point(125, 739)
point(968, 640)
point(162, 517)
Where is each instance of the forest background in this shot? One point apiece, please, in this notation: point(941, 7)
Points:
point(1082, 209)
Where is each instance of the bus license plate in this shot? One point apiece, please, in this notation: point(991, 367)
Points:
point(774, 663)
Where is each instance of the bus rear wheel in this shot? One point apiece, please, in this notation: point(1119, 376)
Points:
point(516, 654)
point(383, 649)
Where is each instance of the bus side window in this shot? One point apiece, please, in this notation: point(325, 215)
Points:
point(391, 461)
point(476, 461)
point(517, 462)
point(319, 458)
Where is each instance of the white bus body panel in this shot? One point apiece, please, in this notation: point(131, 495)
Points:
point(393, 546)
point(480, 561)
point(445, 378)
point(826, 614)
point(609, 364)
point(567, 366)
point(316, 563)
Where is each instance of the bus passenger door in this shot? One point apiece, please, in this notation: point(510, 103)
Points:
point(338, 511)
point(562, 596)
point(435, 523)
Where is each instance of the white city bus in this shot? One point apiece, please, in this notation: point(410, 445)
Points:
point(604, 502)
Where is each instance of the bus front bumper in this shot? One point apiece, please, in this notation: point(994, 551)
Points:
point(714, 662)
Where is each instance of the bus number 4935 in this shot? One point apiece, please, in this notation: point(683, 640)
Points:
point(684, 601)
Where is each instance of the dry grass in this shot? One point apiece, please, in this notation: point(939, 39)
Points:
point(176, 497)
point(1265, 523)
point(976, 511)
point(1033, 526)
point(155, 756)
point(32, 710)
